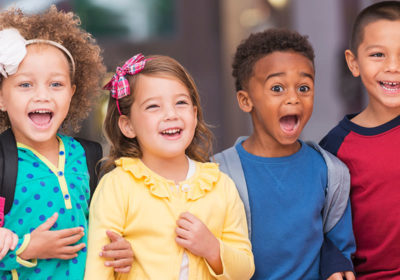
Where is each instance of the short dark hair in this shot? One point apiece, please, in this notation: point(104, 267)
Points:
point(260, 44)
point(388, 10)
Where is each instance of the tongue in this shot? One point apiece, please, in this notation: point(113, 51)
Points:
point(40, 118)
point(288, 123)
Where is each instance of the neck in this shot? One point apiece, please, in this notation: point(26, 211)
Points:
point(174, 169)
point(374, 116)
point(258, 146)
point(48, 149)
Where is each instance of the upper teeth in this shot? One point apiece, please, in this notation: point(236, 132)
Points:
point(390, 83)
point(171, 131)
point(41, 111)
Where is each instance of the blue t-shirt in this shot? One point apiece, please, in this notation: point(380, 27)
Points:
point(286, 196)
point(41, 190)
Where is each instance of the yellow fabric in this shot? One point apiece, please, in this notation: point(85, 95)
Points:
point(143, 207)
point(24, 245)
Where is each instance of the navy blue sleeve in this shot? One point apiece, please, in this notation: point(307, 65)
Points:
point(332, 260)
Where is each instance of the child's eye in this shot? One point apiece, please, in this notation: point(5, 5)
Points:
point(277, 88)
point(182, 102)
point(56, 84)
point(379, 54)
point(151, 106)
point(304, 88)
point(25, 85)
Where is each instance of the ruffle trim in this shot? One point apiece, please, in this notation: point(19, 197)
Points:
point(203, 181)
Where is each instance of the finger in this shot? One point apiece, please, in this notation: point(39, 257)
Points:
point(66, 256)
point(118, 263)
point(182, 233)
point(183, 223)
point(117, 254)
point(188, 216)
point(114, 237)
point(349, 275)
point(70, 250)
point(123, 270)
point(14, 242)
point(48, 223)
point(62, 233)
point(182, 242)
point(6, 245)
point(69, 240)
point(335, 276)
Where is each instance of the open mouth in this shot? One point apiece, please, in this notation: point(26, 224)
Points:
point(390, 86)
point(289, 123)
point(41, 117)
point(171, 132)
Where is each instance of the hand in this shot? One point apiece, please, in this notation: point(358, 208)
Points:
point(57, 244)
point(193, 235)
point(348, 275)
point(120, 250)
point(8, 241)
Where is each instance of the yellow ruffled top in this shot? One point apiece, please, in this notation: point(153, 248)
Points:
point(204, 179)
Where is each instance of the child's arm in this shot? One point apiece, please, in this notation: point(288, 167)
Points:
point(42, 244)
point(341, 238)
point(234, 251)
point(50, 244)
point(334, 265)
point(120, 250)
point(194, 235)
point(8, 241)
point(107, 212)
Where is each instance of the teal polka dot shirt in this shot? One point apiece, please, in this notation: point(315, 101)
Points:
point(43, 189)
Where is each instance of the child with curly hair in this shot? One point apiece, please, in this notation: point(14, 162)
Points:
point(183, 216)
point(51, 70)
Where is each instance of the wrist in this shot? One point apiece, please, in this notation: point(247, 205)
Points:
point(213, 252)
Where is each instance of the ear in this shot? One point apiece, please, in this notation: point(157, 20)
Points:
point(244, 101)
point(195, 114)
point(126, 127)
point(352, 63)
point(73, 89)
point(2, 107)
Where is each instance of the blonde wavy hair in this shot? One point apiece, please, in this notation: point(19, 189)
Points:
point(63, 28)
point(200, 148)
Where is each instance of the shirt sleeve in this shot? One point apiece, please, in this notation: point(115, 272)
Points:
point(12, 260)
point(341, 236)
point(107, 209)
point(235, 248)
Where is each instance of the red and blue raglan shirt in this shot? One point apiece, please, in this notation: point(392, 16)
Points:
point(373, 158)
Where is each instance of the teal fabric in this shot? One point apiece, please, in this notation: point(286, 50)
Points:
point(38, 196)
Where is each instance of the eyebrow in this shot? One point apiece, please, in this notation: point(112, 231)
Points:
point(304, 74)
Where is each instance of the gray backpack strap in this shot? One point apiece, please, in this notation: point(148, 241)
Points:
point(338, 189)
point(229, 163)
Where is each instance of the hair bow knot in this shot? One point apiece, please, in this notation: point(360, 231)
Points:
point(119, 84)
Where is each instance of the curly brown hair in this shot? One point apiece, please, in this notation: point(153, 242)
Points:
point(260, 44)
point(200, 148)
point(63, 28)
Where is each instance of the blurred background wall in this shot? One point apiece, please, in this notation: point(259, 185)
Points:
point(203, 35)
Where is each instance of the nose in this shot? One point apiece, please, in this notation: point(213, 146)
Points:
point(393, 64)
point(292, 97)
point(41, 93)
point(170, 113)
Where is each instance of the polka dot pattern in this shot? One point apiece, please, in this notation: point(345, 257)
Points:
point(38, 196)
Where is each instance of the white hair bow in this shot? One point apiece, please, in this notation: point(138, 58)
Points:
point(12, 51)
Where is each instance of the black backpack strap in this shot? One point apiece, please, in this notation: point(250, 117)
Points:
point(8, 168)
point(94, 153)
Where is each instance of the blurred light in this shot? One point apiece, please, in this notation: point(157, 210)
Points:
point(253, 17)
point(279, 4)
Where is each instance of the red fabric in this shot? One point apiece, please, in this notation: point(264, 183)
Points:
point(2, 203)
point(374, 163)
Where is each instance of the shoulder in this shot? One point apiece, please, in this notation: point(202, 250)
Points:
point(335, 137)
